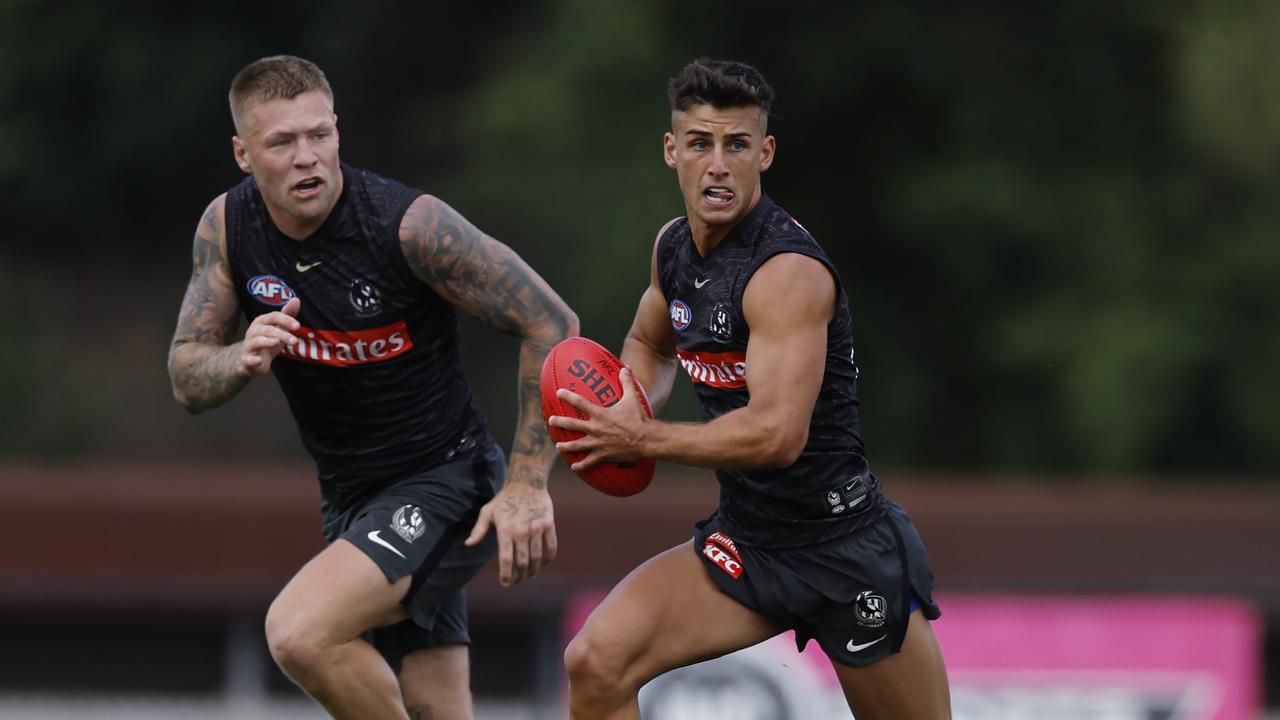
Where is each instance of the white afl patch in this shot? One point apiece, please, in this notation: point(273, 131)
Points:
point(270, 290)
point(681, 315)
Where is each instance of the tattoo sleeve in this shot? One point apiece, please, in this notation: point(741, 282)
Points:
point(203, 366)
point(487, 279)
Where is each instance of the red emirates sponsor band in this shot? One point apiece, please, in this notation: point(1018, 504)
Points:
point(345, 348)
point(722, 370)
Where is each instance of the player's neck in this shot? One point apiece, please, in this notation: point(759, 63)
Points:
point(707, 237)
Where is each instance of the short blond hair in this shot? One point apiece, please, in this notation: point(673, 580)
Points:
point(274, 78)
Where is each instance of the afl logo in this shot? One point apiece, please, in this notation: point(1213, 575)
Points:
point(680, 315)
point(270, 290)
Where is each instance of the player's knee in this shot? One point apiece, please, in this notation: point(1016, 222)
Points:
point(595, 667)
point(293, 646)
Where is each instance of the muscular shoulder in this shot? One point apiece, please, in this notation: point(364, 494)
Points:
point(430, 224)
point(212, 227)
point(789, 284)
point(215, 214)
point(443, 247)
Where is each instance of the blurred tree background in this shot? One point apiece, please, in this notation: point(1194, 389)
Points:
point(1056, 222)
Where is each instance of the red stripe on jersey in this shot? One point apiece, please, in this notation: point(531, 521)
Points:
point(345, 348)
point(721, 370)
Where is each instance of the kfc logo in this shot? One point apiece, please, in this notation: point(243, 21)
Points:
point(720, 550)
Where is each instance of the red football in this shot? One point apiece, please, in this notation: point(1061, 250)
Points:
point(587, 368)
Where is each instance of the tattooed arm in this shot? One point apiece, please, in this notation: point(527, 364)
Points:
point(487, 279)
point(205, 369)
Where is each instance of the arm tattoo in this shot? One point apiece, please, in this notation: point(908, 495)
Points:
point(204, 371)
point(487, 279)
point(476, 272)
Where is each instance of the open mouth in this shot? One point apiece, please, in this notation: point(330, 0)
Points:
point(308, 187)
point(718, 195)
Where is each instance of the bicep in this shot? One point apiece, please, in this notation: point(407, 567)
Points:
point(475, 272)
point(788, 304)
point(651, 326)
point(209, 306)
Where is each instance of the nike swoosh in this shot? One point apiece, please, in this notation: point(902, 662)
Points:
point(697, 284)
point(374, 537)
point(859, 648)
point(303, 268)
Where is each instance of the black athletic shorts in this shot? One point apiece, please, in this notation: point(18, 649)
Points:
point(852, 594)
point(416, 527)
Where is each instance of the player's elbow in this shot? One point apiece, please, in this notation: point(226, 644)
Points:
point(184, 398)
point(187, 402)
point(569, 325)
point(559, 323)
point(781, 447)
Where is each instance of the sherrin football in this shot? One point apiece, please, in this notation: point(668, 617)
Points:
point(587, 368)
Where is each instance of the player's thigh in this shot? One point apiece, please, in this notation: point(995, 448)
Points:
point(340, 593)
point(436, 683)
point(908, 685)
point(666, 614)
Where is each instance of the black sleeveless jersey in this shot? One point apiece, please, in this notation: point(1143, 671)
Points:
point(830, 490)
point(376, 383)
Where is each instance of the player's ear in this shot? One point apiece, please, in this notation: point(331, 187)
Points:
point(669, 150)
point(766, 152)
point(242, 157)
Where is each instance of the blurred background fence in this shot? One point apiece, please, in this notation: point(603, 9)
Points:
point(1056, 223)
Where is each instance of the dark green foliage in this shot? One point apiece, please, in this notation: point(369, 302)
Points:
point(1056, 223)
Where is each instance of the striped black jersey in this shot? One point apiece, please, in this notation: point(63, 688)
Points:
point(830, 490)
point(376, 383)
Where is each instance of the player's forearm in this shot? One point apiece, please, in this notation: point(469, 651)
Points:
point(205, 376)
point(738, 439)
point(532, 450)
point(655, 372)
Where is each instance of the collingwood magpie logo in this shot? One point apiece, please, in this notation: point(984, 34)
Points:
point(721, 326)
point(408, 523)
point(365, 299)
point(870, 609)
